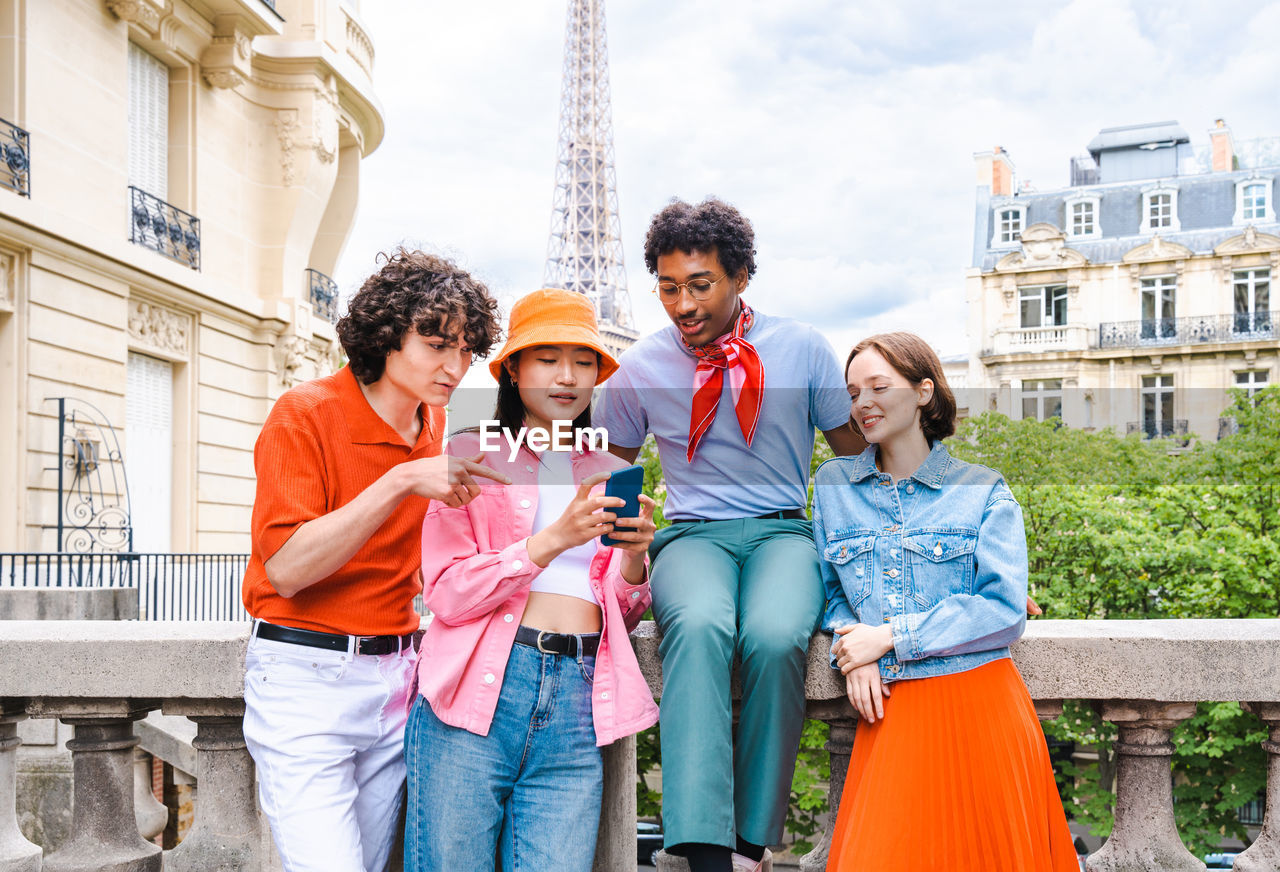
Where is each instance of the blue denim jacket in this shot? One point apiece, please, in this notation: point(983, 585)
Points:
point(940, 556)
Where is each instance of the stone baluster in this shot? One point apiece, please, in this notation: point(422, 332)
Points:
point(104, 832)
point(16, 853)
point(225, 835)
point(616, 838)
point(1048, 709)
point(840, 746)
point(150, 812)
point(1145, 837)
point(1264, 854)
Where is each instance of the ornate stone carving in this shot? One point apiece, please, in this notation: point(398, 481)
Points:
point(226, 63)
point(291, 354)
point(1043, 247)
point(324, 133)
point(1010, 290)
point(6, 281)
point(324, 126)
point(1157, 249)
point(330, 361)
point(156, 327)
point(286, 126)
point(1249, 241)
point(144, 13)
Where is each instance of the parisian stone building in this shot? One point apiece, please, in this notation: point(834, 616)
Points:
point(1135, 296)
point(177, 181)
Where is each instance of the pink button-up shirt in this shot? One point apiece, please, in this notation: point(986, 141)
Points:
point(476, 574)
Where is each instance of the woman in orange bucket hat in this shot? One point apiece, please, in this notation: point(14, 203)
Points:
point(527, 668)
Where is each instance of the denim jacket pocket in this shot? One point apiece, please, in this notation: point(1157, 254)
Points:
point(852, 555)
point(941, 564)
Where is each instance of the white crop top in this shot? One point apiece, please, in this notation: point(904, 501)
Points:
point(567, 574)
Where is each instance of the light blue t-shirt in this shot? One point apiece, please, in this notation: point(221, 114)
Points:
point(652, 392)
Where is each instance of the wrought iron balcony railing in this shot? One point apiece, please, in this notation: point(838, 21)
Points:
point(324, 295)
point(15, 158)
point(164, 228)
point(1159, 429)
point(1195, 330)
point(171, 587)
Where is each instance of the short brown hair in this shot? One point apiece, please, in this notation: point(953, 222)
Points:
point(415, 291)
point(915, 361)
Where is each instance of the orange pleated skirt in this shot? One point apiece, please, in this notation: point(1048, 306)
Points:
point(955, 778)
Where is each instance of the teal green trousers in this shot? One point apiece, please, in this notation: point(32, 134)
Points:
point(745, 590)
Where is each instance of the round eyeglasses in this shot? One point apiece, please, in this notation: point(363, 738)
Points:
point(699, 289)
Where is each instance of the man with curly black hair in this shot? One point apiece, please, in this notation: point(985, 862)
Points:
point(735, 575)
point(346, 466)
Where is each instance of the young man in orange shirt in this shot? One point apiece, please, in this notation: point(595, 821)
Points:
point(346, 466)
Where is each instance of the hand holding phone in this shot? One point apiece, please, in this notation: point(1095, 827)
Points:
point(626, 484)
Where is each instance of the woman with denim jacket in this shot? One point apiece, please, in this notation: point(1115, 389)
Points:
point(925, 567)
point(527, 668)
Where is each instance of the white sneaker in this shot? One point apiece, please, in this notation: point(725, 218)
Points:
point(746, 864)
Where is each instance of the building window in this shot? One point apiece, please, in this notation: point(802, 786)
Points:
point(1159, 210)
point(148, 123)
point(1252, 295)
point(148, 451)
point(1044, 306)
point(1042, 399)
point(1157, 405)
point(1253, 201)
point(1252, 381)
point(1082, 218)
point(1158, 307)
point(1009, 221)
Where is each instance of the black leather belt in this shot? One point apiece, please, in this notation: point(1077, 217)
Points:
point(558, 643)
point(335, 641)
point(780, 515)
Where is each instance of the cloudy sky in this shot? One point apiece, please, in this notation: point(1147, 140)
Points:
point(845, 129)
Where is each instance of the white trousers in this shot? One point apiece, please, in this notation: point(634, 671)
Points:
point(326, 730)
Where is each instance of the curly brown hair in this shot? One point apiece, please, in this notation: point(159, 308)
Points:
point(415, 291)
point(912, 357)
point(711, 226)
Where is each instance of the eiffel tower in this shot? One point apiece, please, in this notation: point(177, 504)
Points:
point(584, 253)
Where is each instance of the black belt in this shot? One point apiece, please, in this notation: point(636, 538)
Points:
point(780, 515)
point(558, 643)
point(335, 641)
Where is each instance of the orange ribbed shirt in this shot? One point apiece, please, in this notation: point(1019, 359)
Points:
point(321, 446)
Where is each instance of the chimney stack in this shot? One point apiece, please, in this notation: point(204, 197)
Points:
point(1222, 147)
point(994, 168)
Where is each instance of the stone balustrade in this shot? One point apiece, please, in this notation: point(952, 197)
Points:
point(100, 677)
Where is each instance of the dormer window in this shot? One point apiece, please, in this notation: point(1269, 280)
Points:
point(1253, 202)
point(1160, 210)
point(1010, 221)
point(1082, 218)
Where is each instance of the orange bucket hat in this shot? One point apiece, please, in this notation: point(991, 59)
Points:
point(552, 316)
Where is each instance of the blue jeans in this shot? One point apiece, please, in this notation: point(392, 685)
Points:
point(529, 791)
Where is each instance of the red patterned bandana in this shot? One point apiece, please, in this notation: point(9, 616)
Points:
point(734, 354)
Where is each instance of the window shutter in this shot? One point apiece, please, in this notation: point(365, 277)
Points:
point(148, 123)
point(148, 452)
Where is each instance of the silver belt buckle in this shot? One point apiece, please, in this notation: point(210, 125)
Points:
point(542, 633)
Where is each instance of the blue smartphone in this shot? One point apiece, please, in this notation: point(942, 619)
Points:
point(627, 484)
